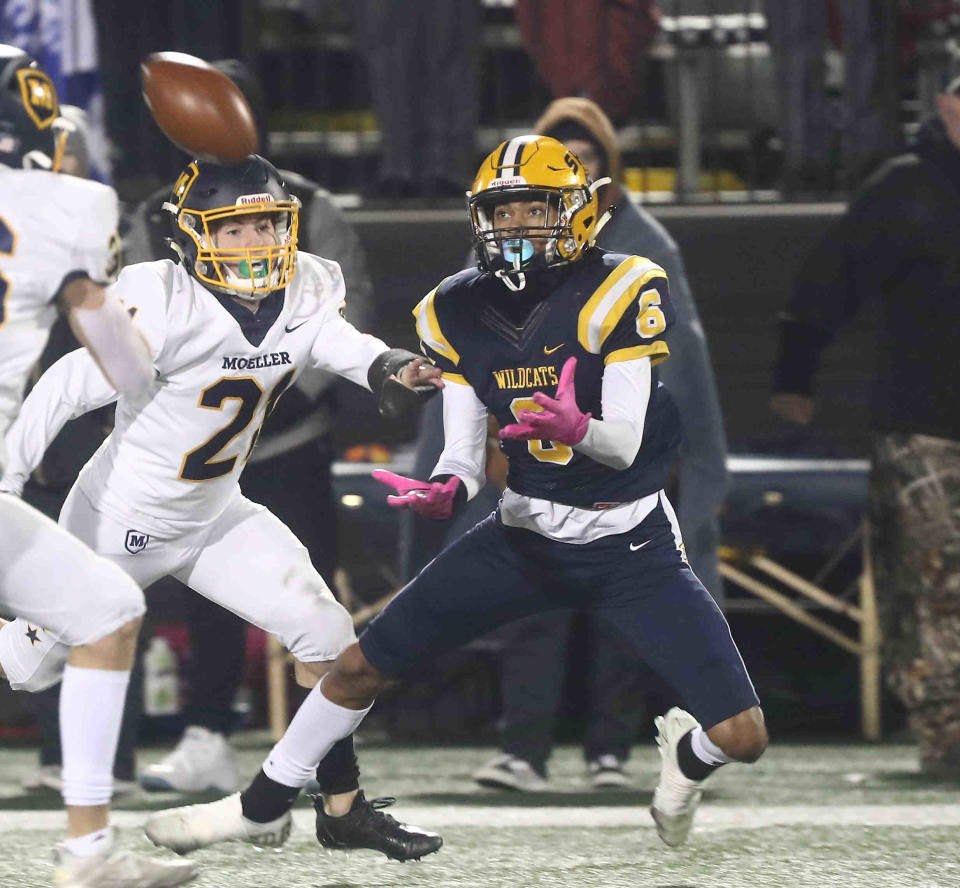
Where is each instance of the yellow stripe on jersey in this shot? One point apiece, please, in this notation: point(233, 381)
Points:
point(611, 299)
point(428, 328)
point(455, 377)
point(656, 351)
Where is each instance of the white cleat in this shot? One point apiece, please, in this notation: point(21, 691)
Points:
point(203, 761)
point(509, 772)
point(676, 797)
point(196, 826)
point(113, 868)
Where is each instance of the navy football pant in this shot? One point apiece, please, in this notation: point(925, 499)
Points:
point(636, 580)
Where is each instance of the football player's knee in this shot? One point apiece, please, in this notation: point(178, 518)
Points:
point(121, 640)
point(353, 671)
point(312, 624)
point(748, 739)
point(113, 606)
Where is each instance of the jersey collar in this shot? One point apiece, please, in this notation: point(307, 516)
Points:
point(254, 326)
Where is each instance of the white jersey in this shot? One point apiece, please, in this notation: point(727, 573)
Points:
point(172, 463)
point(52, 227)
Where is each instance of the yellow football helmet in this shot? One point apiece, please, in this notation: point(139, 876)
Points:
point(533, 168)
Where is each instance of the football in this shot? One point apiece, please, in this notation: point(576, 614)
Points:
point(199, 108)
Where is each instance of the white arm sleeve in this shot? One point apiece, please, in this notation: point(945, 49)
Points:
point(342, 349)
point(117, 345)
point(615, 440)
point(464, 437)
point(71, 387)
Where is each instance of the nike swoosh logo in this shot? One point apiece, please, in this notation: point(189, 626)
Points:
point(550, 351)
point(291, 329)
point(634, 548)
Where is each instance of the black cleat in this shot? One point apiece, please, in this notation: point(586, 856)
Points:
point(364, 826)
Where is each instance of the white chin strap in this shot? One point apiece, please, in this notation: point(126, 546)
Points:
point(37, 160)
point(504, 275)
point(596, 186)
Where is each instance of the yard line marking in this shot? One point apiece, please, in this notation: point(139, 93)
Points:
point(709, 817)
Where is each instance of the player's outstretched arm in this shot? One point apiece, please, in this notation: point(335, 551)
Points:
point(459, 472)
point(432, 499)
point(101, 323)
point(74, 385)
point(403, 380)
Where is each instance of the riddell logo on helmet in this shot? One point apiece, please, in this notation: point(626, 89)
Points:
point(245, 199)
point(508, 180)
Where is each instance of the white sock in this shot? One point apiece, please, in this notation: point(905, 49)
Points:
point(316, 726)
point(90, 844)
point(91, 706)
point(706, 750)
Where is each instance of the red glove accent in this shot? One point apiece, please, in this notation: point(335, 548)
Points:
point(428, 498)
point(560, 419)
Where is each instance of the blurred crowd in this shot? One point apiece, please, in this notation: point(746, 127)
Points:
point(818, 92)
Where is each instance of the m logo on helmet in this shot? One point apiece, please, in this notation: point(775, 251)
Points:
point(39, 97)
point(182, 185)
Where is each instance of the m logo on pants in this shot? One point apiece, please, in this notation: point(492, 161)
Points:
point(136, 541)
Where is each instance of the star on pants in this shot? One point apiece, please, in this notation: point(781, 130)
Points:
point(31, 633)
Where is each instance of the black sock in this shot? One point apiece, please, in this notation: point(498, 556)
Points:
point(339, 771)
point(693, 767)
point(265, 799)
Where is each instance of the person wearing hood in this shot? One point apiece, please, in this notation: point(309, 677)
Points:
point(897, 244)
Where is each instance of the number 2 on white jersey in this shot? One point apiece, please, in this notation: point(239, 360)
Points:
point(200, 464)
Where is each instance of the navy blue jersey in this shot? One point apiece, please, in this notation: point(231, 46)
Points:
point(605, 308)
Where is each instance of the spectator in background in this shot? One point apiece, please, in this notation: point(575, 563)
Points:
point(533, 652)
point(799, 36)
point(897, 243)
point(591, 48)
point(422, 57)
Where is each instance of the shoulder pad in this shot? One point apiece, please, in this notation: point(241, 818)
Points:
point(429, 319)
point(610, 300)
point(316, 277)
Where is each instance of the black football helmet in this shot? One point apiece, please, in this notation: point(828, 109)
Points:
point(209, 192)
point(30, 136)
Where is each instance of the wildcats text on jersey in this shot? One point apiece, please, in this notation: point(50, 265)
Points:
point(526, 377)
point(269, 360)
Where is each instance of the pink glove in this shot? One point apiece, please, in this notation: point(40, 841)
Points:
point(560, 420)
point(429, 498)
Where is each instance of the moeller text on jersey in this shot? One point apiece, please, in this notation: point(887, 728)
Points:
point(268, 360)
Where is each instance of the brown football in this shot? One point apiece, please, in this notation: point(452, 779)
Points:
point(199, 108)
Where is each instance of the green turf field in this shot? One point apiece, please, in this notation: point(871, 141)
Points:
point(811, 816)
